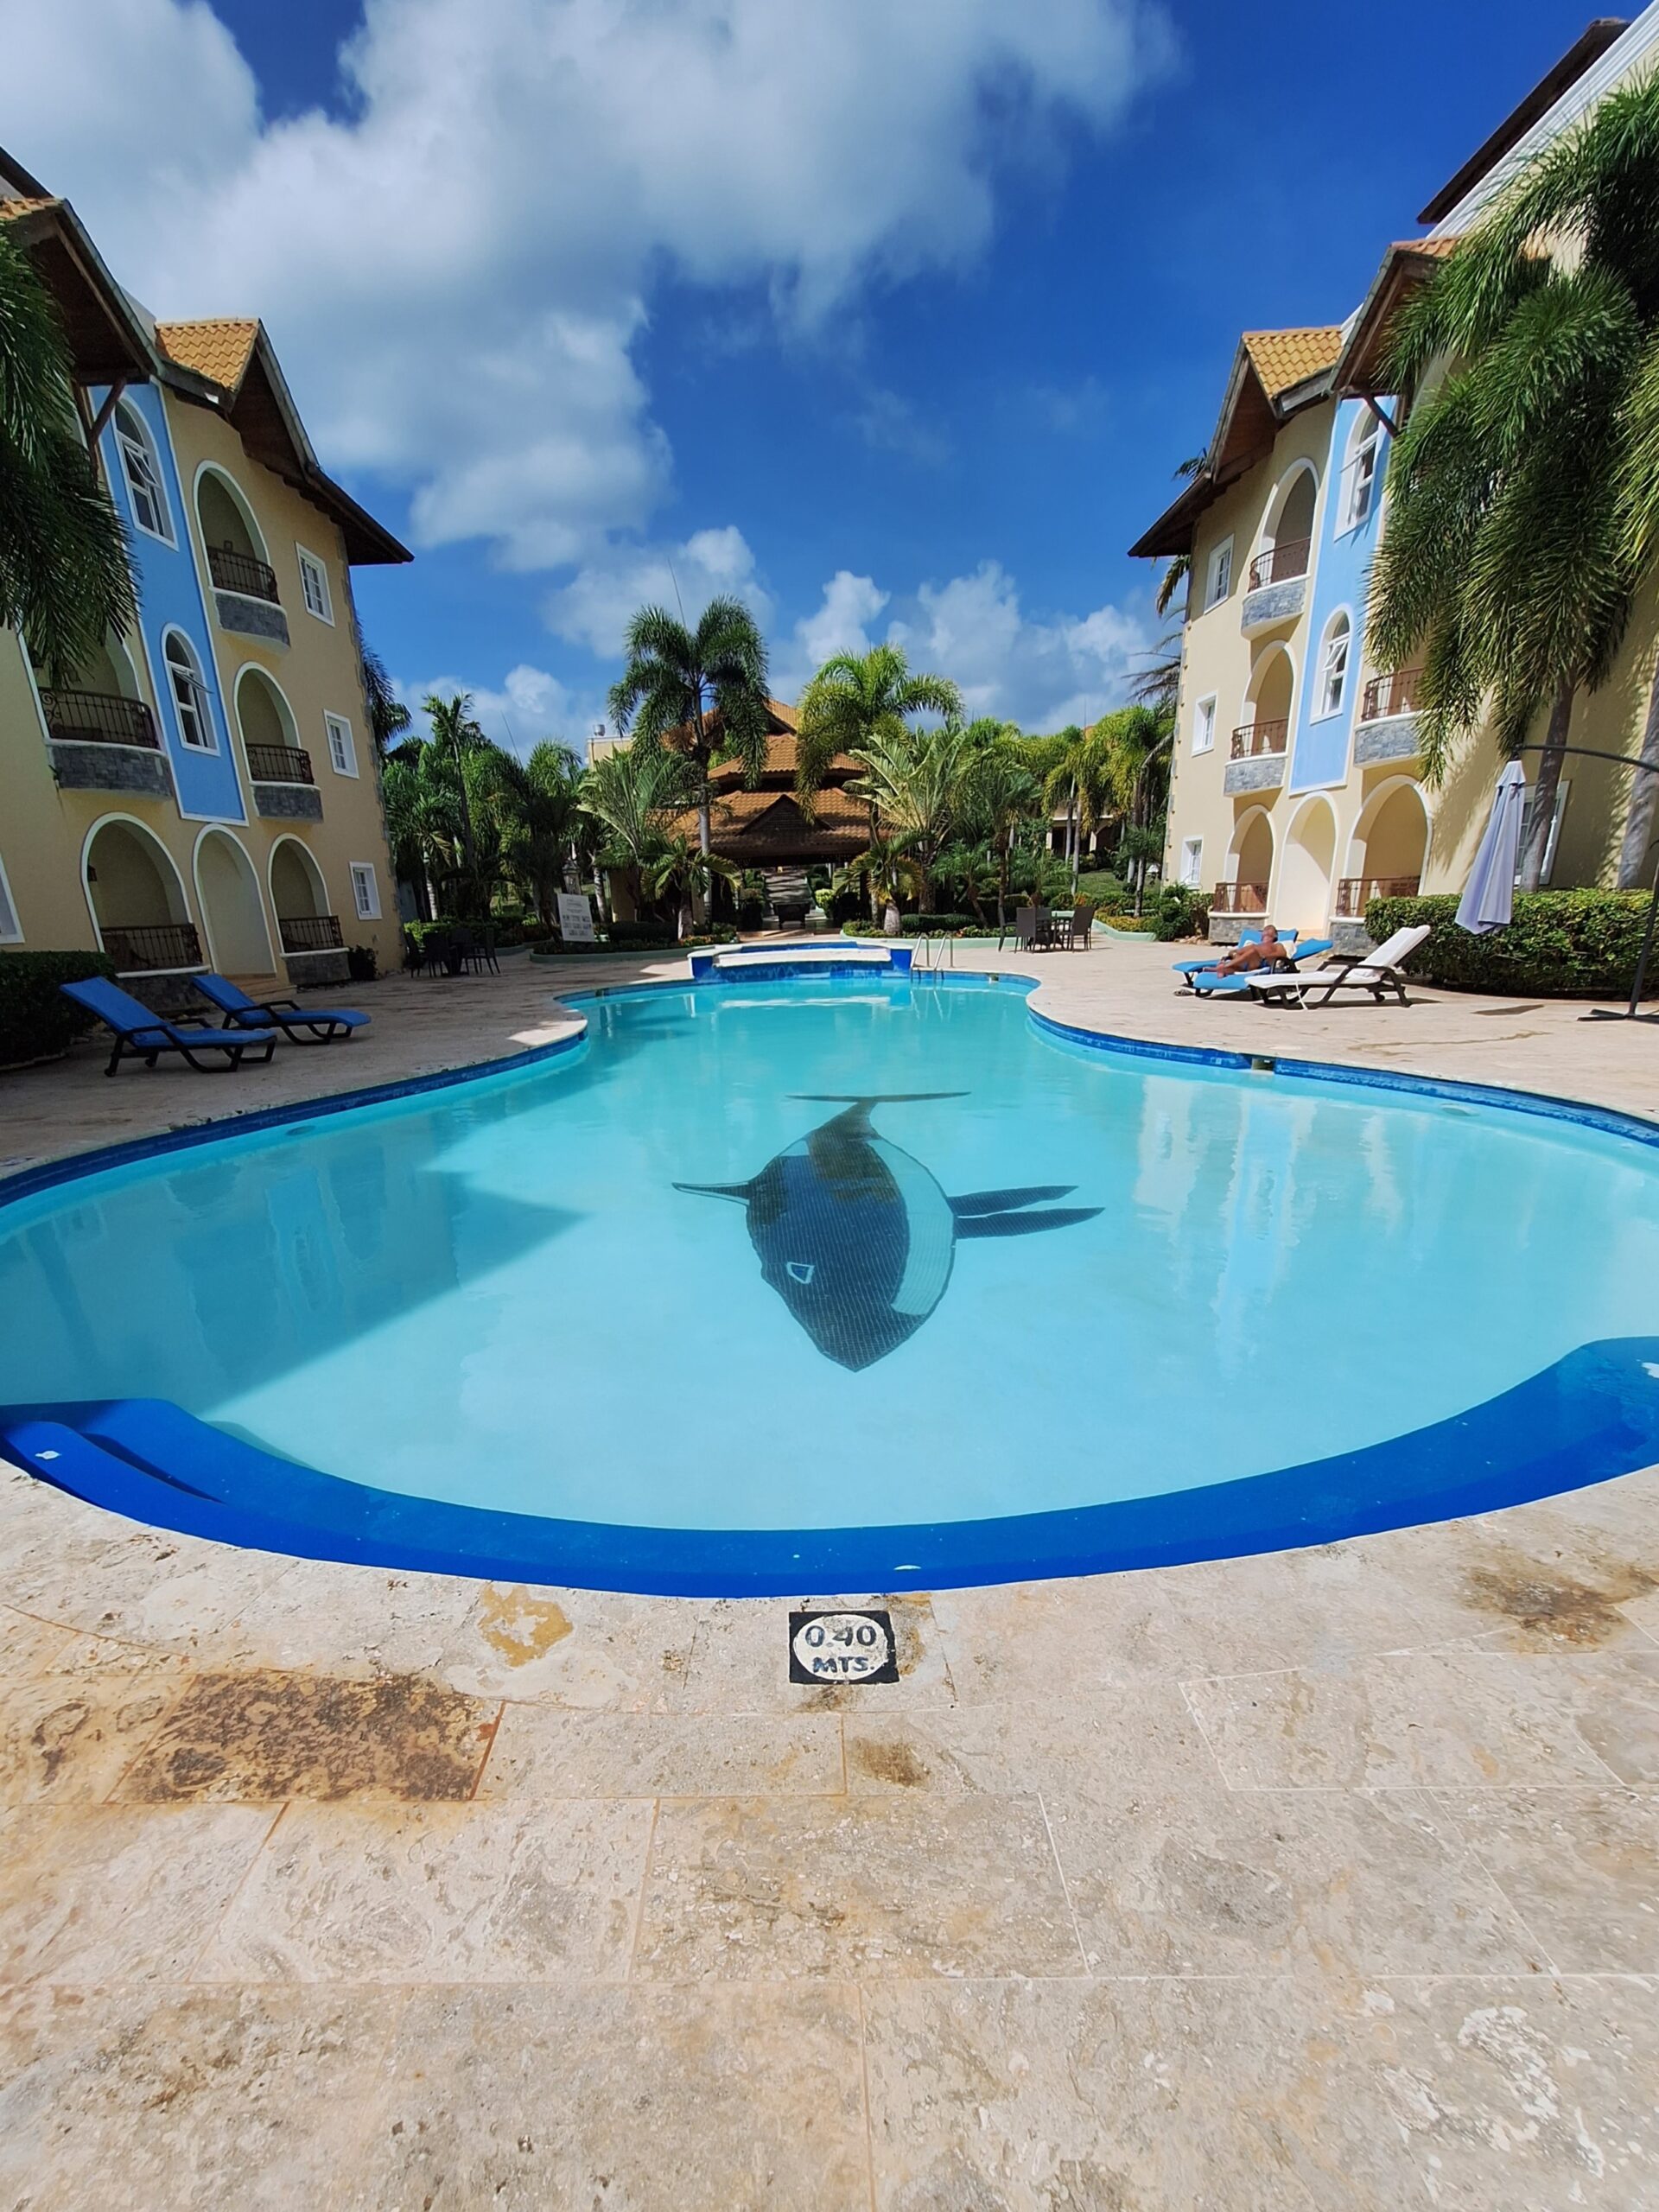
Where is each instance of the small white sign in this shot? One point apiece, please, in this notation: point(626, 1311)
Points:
point(843, 1647)
point(575, 919)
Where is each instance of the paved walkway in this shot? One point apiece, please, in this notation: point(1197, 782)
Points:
point(1325, 1880)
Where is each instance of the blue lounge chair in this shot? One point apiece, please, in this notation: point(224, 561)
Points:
point(145, 1036)
point(324, 1023)
point(1186, 969)
point(1211, 986)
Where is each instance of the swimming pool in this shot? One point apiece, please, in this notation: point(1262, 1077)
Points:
point(836, 1283)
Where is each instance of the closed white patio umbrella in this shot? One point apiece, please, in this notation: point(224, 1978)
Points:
point(1488, 902)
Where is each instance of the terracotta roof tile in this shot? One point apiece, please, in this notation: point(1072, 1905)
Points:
point(219, 348)
point(1284, 358)
point(11, 209)
point(1439, 247)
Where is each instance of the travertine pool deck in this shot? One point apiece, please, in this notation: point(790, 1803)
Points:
point(1324, 1879)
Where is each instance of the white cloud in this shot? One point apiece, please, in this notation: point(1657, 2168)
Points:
point(849, 603)
point(594, 608)
point(1042, 674)
point(455, 271)
point(529, 705)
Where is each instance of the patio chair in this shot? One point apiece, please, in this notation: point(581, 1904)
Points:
point(1078, 926)
point(1376, 973)
point(482, 953)
point(414, 953)
point(324, 1024)
point(145, 1036)
point(1186, 969)
point(1207, 984)
point(1032, 926)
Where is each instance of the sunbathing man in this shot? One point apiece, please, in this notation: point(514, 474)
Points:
point(1267, 954)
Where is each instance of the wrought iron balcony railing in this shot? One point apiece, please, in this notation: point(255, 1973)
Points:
point(279, 764)
point(1354, 892)
point(310, 932)
point(98, 718)
point(241, 572)
point(1260, 737)
point(151, 945)
point(1393, 694)
point(1279, 564)
point(1239, 899)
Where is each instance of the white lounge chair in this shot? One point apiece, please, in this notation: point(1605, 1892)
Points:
point(1376, 973)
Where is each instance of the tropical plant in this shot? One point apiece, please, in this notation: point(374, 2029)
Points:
point(455, 735)
point(680, 678)
point(911, 781)
point(888, 872)
point(64, 579)
point(998, 793)
point(1525, 482)
point(857, 700)
point(685, 874)
point(539, 807)
point(1180, 568)
point(632, 794)
point(388, 717)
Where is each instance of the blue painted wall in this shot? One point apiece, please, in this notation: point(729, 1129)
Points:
point(1341, 561)
point(169, 598)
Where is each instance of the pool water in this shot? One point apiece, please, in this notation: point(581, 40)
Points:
point(833, 1253)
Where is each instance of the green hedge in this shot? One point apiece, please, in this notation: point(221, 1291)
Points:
point(35, 1019)
point(1559, 944)
point(1177, 912)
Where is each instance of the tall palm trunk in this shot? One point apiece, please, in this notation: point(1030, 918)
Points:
point(1543, 792)
point(1633, 853)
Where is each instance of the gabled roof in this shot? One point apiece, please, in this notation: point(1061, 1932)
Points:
point(219, 349)
point(757, 828)
point(108, 342)
point(1361, 366)
point(1275, 374)
point(1585, 52)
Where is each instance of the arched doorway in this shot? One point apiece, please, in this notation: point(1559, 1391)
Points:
point(1287, 543)
point(138, 900)
point(1249, 863)
point(1388, 850)
point(300, 899)
point(238, 943)
point(1268, 699)
point(1302, 900)
point(237, 559)
point(270, 737)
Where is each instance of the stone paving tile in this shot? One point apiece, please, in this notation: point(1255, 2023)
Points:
point(271, 1736)
point(437, 1893)
point(186, 2101)
point(1017, 2096)
point(1212, 1881)
point(1138, 1738)
point(740, 1662)
point(733, 2099)
point(541, 1752)
point(1536, 1579)
point(780, 1889)
point(1614, 1700)
point(90, 1895)
point(1448, 1718)
point(28, 1645)
point(72, 1725)
point(347, 1620)
point(590, 1648)
point(1581, 1867)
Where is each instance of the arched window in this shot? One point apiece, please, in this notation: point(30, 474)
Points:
point(1359, 475)
point(189, 695)
point(139, 464)
point(1333, 666)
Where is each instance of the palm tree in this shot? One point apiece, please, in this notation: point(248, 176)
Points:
point(1525, 483)
point(856, 699)
point(540, 802)
point(1181, 567)
point(1078, 777)
point(911, 780)
point(64, 579)
point(998, 793)
point(455, 735)
point(632, 794)
point(388, 716)
point(683, 871)
point(889, 872)
point(680, 678)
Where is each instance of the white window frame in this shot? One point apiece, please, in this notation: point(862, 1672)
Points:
point(139, 457)
point(11, 925)
point(336, 726)
point(309, 563)
point(1361, 470)
point(1192, 862)
point(364, 880)
point(1219, 575)
point(1204, 725)
point(1338, 633)
point(199, 704)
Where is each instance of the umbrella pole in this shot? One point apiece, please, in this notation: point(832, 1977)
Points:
point(1647, 947)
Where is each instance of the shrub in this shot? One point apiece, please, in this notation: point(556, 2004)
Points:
point(361, 964)
point(36, 1020)
point(1177, 912)
point(1109, 893)
point(716, 933)
point(1559, 944)
point(934, 924)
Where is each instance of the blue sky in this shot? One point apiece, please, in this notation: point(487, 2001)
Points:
point(894, 316)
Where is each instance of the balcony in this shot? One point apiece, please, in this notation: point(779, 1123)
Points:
point(152, 947)
point(284, 789)
point(1275, 588)
point(1388, 718)
point(1257, 762)
point(1239, 899)
point(303, 933)
point(102, 741)
point(1355, 892)
point(245, 596)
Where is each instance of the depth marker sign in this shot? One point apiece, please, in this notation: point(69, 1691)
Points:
point(851, 1647)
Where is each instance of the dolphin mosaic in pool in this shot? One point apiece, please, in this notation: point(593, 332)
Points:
point(858, 1239)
